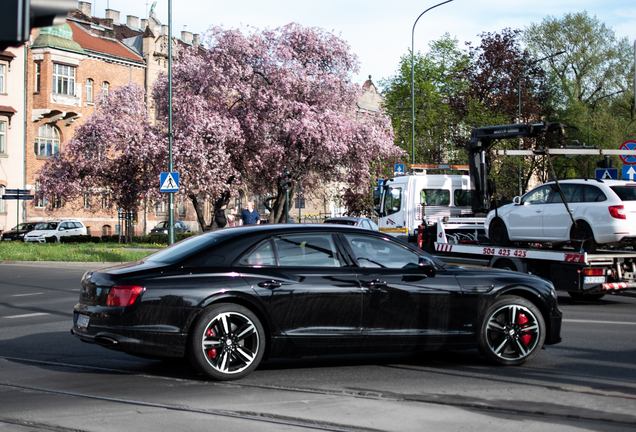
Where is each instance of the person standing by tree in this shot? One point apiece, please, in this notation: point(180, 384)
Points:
point(249, 215)
point(219, 216)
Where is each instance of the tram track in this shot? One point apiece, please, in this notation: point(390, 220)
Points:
point(542, 410)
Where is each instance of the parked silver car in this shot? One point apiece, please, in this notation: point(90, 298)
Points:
point(57, 229)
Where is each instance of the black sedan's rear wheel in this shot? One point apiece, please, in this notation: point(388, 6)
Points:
point(513, 331)
point(227, 342)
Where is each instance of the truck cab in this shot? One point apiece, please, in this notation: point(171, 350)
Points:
point(408, 201)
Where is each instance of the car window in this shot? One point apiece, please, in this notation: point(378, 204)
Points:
point(66, 225)
point(539, 195)
point(373, 225)
point(462, 198)
point(162, 225)
point(306, 250)
point(593, 194)
point(79, 225)
point(364, 224)
point(435, 197)
point(262, 256)
point(380, 252)
point(625, 193)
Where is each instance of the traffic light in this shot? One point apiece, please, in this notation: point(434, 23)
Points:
point(286, 181)
point(20, 16)
point(605, 163)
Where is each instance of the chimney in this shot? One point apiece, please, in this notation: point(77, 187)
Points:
point(84, 7)
point(186, 36)
point(195, 40)
point(112, 14)
point(164, 29)
point(144, 24)
point(132, 21)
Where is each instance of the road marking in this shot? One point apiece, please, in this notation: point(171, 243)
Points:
point(24, 295)
point(599, 322)
point(27, 315)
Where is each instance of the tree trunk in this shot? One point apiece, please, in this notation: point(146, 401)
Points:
point(199, 207)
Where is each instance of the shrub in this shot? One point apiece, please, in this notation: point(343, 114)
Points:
point(80, 239)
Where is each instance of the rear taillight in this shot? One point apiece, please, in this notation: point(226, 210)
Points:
point(123, 295)
point(617, 211)
point(593, 272)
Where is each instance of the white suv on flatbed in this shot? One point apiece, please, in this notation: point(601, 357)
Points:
point(57, 229)
point(604, 212)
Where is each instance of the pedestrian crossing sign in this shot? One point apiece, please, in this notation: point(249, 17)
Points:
point(169, 182)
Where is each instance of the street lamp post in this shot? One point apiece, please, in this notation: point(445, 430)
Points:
point(170, 167)
point(532, 63)
point(413, 77)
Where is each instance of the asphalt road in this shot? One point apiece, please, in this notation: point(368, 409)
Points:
point(49, 380)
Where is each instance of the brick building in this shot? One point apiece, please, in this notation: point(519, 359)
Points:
point(12, 101)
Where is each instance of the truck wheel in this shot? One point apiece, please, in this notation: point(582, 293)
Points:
point(498, 233)
point(512, 332)
point(577, 295)
point(583, 238)
point(227, 342)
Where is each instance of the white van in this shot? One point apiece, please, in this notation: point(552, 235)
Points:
point(406, 201)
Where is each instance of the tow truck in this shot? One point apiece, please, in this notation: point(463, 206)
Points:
point(455, 234)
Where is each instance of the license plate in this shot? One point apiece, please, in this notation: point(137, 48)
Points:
point(6, 239)
point(82, 321)
point(594, 279)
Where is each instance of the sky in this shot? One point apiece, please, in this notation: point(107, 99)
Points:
point(379, 32)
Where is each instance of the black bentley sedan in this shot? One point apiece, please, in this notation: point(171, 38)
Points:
point(229, 298)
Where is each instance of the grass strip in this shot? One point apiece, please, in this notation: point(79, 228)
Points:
point(87, 252)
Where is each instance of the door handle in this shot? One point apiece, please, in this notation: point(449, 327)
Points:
point(270, 284)
point(376, 283)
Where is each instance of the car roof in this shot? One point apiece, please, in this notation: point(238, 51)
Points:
point(344, 218)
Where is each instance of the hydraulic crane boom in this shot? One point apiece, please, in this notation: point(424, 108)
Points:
point(482, 138)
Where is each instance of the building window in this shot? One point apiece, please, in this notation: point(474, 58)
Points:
point(41, 201)
point(3, 137)
point(87, 201)
point(47, 141)
point(105, 201)
point(63, 79)
point(107, 230)
point(57, 202)
point(105, 86)
point(3, 78)
point(38, 68)
point(89, 90)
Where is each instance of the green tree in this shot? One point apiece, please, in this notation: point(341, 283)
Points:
point(435, 83)
point(593, 80)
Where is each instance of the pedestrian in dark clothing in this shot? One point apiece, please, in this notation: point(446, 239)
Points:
point(249, 215)
point(219, 216)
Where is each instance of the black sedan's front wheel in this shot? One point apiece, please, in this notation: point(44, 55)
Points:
point(227, 342)
point(513, 331)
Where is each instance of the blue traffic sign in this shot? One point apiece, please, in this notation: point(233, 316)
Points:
point(629, 172)
point(169, 182)
point(399, 168)
point(606, 173)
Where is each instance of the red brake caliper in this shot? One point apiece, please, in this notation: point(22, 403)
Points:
point(212, 352)
point(522, 321)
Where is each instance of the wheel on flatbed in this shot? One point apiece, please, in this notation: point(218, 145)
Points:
point(583, 238)
point(577, 295)
point(498, 233)
point(513, 331)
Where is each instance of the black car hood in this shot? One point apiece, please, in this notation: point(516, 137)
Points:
point(500, 276)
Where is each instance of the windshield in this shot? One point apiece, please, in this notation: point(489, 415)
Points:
point(392, 200)
point(341, 222)
point(24, 226)
point(47, 226)
point(163, 224)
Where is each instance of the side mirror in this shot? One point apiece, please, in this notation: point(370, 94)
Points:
point(427, 266)
point(516, 200)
